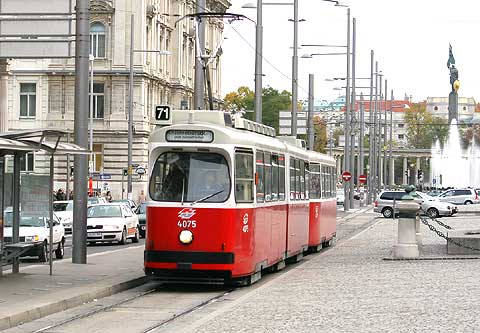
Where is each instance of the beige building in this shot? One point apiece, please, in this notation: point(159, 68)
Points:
point(41, 92)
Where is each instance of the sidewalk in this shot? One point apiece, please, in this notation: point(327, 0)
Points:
point(352, 288)
point(33, 293)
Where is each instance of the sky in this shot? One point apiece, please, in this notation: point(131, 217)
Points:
point(410, 39)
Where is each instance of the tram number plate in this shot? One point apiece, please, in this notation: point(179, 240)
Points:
point(187, 224)
point(162, 112)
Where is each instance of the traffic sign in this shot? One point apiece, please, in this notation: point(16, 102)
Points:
point(140, 171)
point(362, 179)
point(105, 176)
point(346, 176)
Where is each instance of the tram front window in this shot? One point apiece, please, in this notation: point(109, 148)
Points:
point(190, 177)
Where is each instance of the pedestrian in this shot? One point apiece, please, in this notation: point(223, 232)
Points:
point(61, 195)
point(108, 196)
point(70, 196)
point(141, 198)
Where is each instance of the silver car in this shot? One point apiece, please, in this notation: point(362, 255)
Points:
point(434, 208)
point(466, 196)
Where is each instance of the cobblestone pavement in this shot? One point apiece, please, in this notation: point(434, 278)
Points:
point(352, 288)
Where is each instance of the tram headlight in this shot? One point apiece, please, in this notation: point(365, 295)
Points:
point(185, 237)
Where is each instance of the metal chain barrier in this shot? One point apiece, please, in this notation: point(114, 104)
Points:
point(442, 235)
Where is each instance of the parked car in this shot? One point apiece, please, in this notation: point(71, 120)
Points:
point(466, 196)
point(340, 197)
point(111, 222)
point(434, 193)
point(129, 202)
point(142, 219)
point(96, 200)
point(64, 212)
point(35, 231)
point(434, 208)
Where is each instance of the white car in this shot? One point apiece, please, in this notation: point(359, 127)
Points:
point(64, 212)
point(111, 222)
point(340, 197)
point(434, 207)
point(35, 231)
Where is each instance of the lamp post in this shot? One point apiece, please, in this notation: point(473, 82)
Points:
point(130, 104)
point(370, 134)
point(295, 69)
point(91, 58)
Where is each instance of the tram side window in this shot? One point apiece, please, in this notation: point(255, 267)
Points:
point(260, 180)
point(323, 179)
point(281, 176)
point(315, 188)
point(307, 181)
point(332, 182)
point(292, 179)
point(301, 169)
point(275, 178)
point(268, 177)
point(297, 179)
point(244, 177)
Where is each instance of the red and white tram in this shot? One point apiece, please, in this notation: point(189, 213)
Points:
point(228, 199)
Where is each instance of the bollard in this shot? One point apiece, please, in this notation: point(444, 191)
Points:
point(407, 243)
point(417, 231)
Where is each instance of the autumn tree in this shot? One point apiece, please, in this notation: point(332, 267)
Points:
point(273, 102)
point(423, 129)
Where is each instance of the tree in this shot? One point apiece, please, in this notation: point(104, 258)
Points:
point(320, 136)
point(423, 128)
point(273, 102)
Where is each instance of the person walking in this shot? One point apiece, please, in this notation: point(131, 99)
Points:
point(108, 196)
point(141, 198)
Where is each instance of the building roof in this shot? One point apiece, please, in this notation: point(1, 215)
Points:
point(395, 105)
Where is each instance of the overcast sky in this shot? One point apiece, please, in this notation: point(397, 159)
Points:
point(410, 39)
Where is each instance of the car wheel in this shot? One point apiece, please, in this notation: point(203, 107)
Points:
point(468, 202)
point(136, 238)
point(123, 240)
point(60, 251)
point(387, 212)
point(92, 243)
point(433, 213)
point(43, 256)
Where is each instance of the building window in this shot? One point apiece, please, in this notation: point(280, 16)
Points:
point(97, 164)
point(97, 40)
point(27, 162)
point(435, 108)
point(98, 100)
point(401, 125)
point(401, 137)
point(28, 100)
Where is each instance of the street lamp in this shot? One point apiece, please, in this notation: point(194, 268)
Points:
point(92, 59)
point(130, 104)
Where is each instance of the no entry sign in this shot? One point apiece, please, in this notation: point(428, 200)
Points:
point(362, 179)
point(346, 176)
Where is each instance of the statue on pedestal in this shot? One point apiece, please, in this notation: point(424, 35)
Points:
point(455, 83)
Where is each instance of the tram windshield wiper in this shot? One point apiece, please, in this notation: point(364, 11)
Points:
point(207, 197)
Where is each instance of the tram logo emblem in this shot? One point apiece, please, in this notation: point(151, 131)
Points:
point(316, 211)
point(186, 213)
point(245, 223)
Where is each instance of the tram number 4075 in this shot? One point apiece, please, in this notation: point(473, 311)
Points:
point(187, 224)
point(162, 112)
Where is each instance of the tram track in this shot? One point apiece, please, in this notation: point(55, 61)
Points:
point(160, 294)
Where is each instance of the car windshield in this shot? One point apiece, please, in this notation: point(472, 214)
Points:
point(123, 201)
point(62, 206)
point(25, 220)
point(190, 177)
point(142, 209)
point(104, 211)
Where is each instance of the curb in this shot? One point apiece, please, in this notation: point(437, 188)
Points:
point(65, 304)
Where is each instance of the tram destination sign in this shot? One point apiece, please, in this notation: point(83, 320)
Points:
point(189, 136)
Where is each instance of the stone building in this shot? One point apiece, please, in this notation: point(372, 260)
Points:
point(41, 92)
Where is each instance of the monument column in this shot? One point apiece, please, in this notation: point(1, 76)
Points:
point(405, 165)
point(417, 167)
point(392, 172)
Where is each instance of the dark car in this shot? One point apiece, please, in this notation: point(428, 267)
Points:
point(142, 219)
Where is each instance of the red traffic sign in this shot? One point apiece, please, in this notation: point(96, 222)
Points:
point(346, 176)
point(362, 179)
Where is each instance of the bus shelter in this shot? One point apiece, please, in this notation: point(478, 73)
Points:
point(39, 196)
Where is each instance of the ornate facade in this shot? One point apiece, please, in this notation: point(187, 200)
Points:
point(41, 92)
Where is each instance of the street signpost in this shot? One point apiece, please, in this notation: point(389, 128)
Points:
point(362, 179)
point(346, 176)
